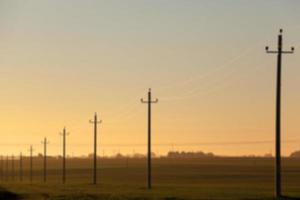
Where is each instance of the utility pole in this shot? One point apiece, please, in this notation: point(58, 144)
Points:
point(13, 167)
point(149, 102)
point(31, 164)
point(279, 53)
point(2, 174)
point(45, 142)
point(21, 167)
point(64, 134)
point(95, 122)
point(6, 169)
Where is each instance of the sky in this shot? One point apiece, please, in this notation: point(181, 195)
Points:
point(62, 61)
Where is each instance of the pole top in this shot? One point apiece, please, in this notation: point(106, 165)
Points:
point(280, 31)
point(149, 89)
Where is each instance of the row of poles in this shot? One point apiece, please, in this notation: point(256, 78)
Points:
point(5, 168)
point(149, 102)
point(64, 134)
point(6, 173)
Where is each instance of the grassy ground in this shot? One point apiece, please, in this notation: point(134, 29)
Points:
point(210, 178)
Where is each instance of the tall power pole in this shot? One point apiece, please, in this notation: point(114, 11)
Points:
point(279, 53)
point(31, 164)
point(64, 134)
point(21, 167)
point(45, 142)
point(149, 102)
point(95, 122)
point(13, 167)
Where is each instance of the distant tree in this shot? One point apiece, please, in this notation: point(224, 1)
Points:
point(295, 154)
point(268, 155)
point(138, 155)
point(183, 154)
point(119, 155)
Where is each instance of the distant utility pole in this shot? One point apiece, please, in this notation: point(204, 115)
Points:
point(45, 142)
point(2, 174)
point(21, 167)
point(13, 167)
point(95, 122)
point(6, 169)
point(31, 163)
point(149, 102)
point(279, 53)
point(64, 134)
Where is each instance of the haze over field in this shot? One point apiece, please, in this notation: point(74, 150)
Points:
point(60, 61)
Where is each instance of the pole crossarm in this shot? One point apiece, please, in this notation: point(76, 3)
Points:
point(279, 49)
point(155, 101)
point(283, 52)
point(95, 120)
point(45, 141)
point(64, 133)
point(149, 98)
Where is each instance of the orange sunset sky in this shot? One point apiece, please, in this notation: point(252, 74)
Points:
point(61, 61)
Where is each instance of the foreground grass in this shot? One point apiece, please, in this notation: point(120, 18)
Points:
point(91, 192)
point(192, 179)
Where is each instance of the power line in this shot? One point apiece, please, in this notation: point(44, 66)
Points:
point(177, 144)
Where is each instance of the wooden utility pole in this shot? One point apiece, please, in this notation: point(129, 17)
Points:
point(64, 134)
point(95, 122)
point(13, 167)
point(279, 53)
point(6, 169)
point(21, 167)
point(149, 102)
point(2, 171)
point(31, 164)
point(45, 142)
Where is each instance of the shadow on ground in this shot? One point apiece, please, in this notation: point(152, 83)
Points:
point(290, 198)
point(6, 195)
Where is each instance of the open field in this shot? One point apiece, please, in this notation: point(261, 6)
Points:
point(205, 178)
